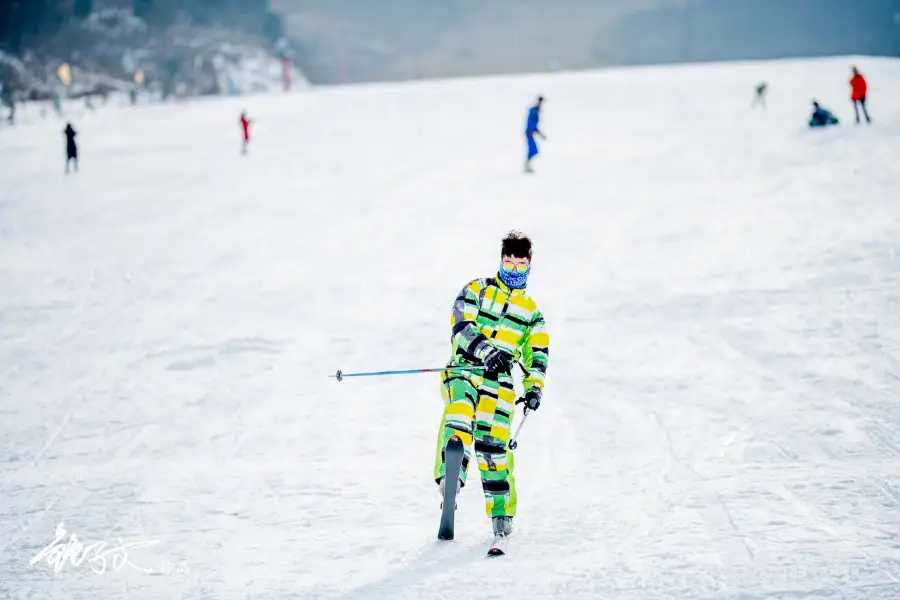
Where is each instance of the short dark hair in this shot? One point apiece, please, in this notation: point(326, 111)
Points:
point(516, 244)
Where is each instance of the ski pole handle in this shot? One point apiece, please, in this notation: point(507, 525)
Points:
point(525, 372)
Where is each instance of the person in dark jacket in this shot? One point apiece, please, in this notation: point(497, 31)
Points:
point(71, 147)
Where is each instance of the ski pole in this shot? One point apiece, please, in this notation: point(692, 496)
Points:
point(514, 441)
point(340, 374)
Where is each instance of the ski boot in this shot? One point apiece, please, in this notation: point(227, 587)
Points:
point(502, 525)
point(502, 530)
point(441, 491)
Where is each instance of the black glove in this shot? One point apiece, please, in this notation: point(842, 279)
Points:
point(498, 361)
point(531, 399)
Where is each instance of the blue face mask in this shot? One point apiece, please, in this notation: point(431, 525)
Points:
point(515, 280)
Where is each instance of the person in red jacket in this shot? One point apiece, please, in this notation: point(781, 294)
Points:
point(245, 128)
point(858, 90)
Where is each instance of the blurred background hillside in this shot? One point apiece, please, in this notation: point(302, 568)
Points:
point(196, 47)
point(352, 40)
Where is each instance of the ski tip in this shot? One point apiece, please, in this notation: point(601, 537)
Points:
point(495, 552)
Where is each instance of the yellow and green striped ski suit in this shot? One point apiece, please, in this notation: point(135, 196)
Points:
point(479, 405)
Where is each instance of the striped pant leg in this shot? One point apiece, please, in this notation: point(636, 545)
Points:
point(493, 421)
point(460, 395)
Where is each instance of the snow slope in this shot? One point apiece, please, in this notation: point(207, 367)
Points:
point(722, 416)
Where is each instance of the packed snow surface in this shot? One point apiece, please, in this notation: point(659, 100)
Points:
point(721, 285)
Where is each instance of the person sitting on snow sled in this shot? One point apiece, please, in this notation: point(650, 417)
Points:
point(822, 117)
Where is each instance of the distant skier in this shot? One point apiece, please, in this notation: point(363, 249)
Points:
point(531, 129)
point(494, 323)
point(822, 117)
point(858, 91)
point(7, 98)
point(71, 147)
point(245, 130)
point(759, 97)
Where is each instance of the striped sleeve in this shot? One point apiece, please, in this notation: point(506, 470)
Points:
point(536, 352)
point(466, 334)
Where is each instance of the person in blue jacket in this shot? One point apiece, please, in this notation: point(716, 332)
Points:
point(531, 129)
point(822, 117)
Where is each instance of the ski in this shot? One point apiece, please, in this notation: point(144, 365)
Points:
point(453, 456)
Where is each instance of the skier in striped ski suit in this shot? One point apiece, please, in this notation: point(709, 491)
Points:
point(494, 323)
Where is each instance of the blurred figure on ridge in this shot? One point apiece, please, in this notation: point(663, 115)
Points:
point(245, 130)
point(531, 129)
point(858, 91)
point(759, 97)
point(71, 147)
point(7, 99)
